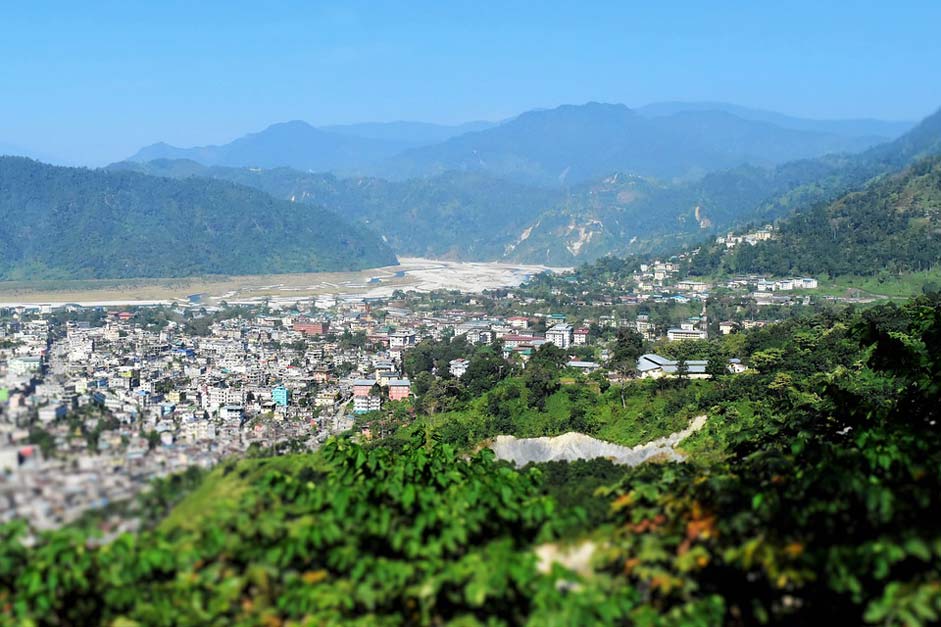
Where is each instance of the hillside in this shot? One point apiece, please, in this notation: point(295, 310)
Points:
point(883, 130)
point(412, 133)
point(891, 225)
point(470, 215)
point(75, 223)
point(462, 215)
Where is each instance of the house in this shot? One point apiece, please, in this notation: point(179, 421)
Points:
point(652, 366)
point(514, 341)
point(363, 404)
point(736, 366)
point(580, 336)
point(457, 367)
point(401, 339)
point(280, 395)
point(231, 413)
point(584, 366)
point(362, 387)
point(399, 389)
point(693, 286)
point(311, 327)
point(518, 322)
point(52, 412)
point(727, 326)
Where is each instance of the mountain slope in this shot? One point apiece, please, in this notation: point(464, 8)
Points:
point(464, 215)
point(573, 144)
point(76, 223)
point(295, 144)
point(893, 225)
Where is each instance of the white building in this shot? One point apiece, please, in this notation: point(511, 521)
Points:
point(560, 334)
point(401, 339)
point(675, 335)
point(363, 404)
point(457, 367)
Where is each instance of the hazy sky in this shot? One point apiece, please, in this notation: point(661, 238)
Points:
point(90, 82)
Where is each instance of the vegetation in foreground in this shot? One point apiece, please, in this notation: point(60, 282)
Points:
point(809, 497)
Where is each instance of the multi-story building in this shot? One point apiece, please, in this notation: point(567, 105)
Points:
point(399, 389)
point(363, 404)
point(560, 334)
point(280, 395)
point(580, 336)
point(311, 327)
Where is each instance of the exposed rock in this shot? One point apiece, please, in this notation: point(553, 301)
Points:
point(572, 446)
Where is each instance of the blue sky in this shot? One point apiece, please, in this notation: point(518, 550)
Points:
point(90, 82)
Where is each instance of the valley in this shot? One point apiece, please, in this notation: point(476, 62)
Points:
point(410, 274)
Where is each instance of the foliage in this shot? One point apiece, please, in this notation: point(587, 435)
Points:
point(820, 511)
point(420, 536)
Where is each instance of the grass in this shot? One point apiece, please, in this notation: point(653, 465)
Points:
point(903, 285)
point(221, 490)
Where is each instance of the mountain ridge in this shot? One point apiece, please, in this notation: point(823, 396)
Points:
point(59, 222)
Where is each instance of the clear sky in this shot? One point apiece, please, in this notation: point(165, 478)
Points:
point(90, 82)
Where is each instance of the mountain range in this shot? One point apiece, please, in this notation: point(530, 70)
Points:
point(175, 217)
point(859, 127)
point(567, 145)
point(74, 223)
point(470, 214)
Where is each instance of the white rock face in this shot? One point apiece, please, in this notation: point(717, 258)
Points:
point(572, 446)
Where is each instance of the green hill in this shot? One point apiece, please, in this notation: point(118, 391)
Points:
point(892, 225)
point(75, 223)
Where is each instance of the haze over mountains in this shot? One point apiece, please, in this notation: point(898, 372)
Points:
point(569, 144)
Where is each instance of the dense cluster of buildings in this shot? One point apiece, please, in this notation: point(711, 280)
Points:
point(94, 404)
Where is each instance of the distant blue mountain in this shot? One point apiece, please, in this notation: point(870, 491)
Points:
point(863, 127)
point(577, 143)
point(567, 145)
point(414, 133)
point(295, 144)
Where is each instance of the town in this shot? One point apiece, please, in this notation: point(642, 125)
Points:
point(97, 402)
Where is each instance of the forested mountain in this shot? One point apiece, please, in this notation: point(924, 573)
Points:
point(470, 214)
point(465, 215)
point(625, 214)
point(573, 144)
point(76, 223)
point(891, 225)
point(296, 144)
